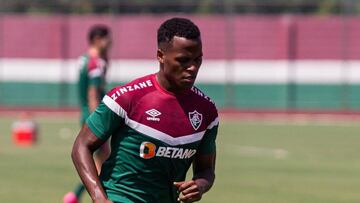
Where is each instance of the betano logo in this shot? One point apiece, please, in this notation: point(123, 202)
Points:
point(148, 150)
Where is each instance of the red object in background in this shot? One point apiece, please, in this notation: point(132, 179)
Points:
point(24, 133)
point(24, 137)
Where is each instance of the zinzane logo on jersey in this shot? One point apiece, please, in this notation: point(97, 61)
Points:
point(149, 150)
point(130, 88)
point(195, 119)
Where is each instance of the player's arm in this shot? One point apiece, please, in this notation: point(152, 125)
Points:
point(82, 154)
point(95, 73)
point(93, 97)
point(203, 169)
point(100, 125)
point(204, 176)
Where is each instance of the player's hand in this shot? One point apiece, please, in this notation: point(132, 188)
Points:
point(190, 191)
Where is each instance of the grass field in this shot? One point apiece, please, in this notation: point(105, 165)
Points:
point(257, 163)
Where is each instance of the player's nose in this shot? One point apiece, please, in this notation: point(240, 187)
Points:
point(193, 68)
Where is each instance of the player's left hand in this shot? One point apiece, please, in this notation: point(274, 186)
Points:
point(190, 191)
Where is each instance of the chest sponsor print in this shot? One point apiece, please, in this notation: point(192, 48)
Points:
point(149, 150)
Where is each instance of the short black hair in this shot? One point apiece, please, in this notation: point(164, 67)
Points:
point(98, 31)
point(180, 27)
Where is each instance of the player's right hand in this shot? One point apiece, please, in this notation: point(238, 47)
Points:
point(190, 191)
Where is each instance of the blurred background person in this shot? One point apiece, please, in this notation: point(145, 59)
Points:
point(92, 81)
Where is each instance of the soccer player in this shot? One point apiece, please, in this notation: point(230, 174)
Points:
point(93, 66)
point(159, 125)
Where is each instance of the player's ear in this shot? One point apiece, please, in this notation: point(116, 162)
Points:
point(160, 56)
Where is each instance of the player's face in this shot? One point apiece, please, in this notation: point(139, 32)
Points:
point(181, 62)
point(104, 43)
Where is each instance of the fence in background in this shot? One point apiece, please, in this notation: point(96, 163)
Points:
point(251, 61)
point(235, 37)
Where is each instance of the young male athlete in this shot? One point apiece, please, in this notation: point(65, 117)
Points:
point(159, 125)
point(93, 66)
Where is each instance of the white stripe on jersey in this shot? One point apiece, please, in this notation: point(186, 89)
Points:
point(115, 107)
point(97, 72)
point(214, 123)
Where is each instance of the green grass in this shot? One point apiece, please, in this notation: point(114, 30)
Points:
point(256, 163)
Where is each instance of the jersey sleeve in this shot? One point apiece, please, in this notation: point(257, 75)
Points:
point(208, 143)
point(108, 117)
point(95, 71)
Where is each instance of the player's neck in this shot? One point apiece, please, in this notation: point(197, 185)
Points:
point(94, 51)
point(166, 85)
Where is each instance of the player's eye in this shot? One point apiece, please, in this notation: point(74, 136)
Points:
point(183, 60)
point(198, 60)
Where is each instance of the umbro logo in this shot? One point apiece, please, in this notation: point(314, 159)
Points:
point(153, 113)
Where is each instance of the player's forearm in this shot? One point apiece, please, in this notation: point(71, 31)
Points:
point(205, 179)
point(93, 98)
point(85, 165)
point(93, 103)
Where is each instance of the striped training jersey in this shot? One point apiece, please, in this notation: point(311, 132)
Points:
point(155, 136)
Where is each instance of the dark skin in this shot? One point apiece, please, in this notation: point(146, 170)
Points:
point(83, 150)
point(180, 61)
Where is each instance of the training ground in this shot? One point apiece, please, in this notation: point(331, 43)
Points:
point(261, 159)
